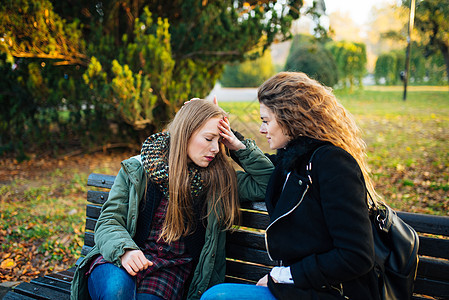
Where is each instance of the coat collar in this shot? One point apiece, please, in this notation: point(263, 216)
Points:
point(292, 156)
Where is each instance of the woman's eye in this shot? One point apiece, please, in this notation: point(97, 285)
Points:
point(264, 122)
point(209, 140)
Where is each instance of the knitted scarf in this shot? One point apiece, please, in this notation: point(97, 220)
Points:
point(154, 156)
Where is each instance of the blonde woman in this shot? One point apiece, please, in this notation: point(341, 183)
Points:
point(161, 233)
point(320, 230)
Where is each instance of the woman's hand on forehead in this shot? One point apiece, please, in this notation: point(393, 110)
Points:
point(229, 138)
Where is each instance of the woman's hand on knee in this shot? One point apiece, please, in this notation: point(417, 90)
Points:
point(134, 261)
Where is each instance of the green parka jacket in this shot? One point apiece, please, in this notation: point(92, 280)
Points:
point(116, 225)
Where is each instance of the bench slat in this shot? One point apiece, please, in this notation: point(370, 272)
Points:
point(93, 211)
point(431, 268)
point(15, 296)
point(426, 223)
point(229, 279)
point(249, 219)
point(63, 287)
point(78, 261)
point(258, 205)
point(246, 271)
point(417, 297)
point(430, 287)
point(97, 197)
point(100, 180)
point(90, 223)
point(247, 254)
point(433, 247)
point(247, 239)
point(64, 276)
point(89, 239)
point(255, 220)
point(40, 292)
point(85, 250)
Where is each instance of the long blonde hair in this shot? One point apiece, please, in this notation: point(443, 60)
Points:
point(219, 178)
point(302, 106)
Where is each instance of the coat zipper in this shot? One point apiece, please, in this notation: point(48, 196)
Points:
point(287, 213)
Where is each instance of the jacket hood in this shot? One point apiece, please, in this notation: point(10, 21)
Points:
point(134, 168)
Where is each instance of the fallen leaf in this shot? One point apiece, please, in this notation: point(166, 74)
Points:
point(8, 263)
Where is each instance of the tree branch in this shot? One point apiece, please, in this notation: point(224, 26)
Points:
point(67, 60)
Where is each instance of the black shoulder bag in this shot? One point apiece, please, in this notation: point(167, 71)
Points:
point(395, 246)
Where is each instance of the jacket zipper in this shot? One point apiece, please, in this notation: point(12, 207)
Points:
point(286, 214)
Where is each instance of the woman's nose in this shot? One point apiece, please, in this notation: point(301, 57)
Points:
point(215, 147)
point(263, 128)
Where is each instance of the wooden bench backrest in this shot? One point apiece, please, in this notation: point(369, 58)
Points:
point(248, 261)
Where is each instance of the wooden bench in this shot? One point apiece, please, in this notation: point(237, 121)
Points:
point(247, 259)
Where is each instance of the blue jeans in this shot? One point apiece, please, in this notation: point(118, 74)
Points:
point(232, 291)
point(108, 281)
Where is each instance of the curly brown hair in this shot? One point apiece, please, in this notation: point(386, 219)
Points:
point(304, 107)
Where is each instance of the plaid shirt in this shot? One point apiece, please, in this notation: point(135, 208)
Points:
point(171, 264)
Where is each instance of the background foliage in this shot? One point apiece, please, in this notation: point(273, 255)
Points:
point(117, 71)
point(250, 73)
point(330, 62)
point(351, 62)
point(433, 28)
point(388, 67)
point(429, 61)
point(309, 55)
point(428, 70)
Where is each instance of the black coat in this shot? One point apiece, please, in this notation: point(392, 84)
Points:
point(321, 230)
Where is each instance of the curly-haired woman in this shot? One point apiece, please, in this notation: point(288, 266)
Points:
point(320, 229)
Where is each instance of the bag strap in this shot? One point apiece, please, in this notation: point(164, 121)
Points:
point(382, 211)
point(372, 204)
point(309, 164)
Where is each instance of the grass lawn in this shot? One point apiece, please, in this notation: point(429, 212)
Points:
point(43, 200)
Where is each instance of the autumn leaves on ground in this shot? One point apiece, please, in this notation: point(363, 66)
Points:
point(43, 204)
point(43, 200)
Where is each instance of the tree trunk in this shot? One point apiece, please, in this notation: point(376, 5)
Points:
point(445, 50)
